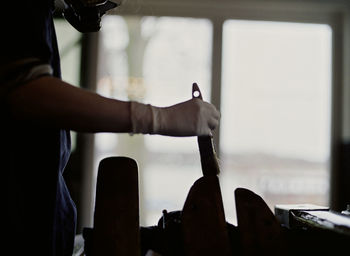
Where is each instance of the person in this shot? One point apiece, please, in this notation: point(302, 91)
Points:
point(38, 110)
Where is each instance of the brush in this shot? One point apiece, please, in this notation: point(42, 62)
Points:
point(208, 156)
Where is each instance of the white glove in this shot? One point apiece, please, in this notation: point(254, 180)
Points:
point(190, 118)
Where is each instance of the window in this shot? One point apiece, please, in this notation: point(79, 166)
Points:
point(69, 44)
point(275, 102)
point(155, 60)
point(275, 128)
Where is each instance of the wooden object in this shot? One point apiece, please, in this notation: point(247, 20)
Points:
point(116, 218)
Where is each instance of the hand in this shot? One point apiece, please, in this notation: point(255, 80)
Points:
point(194, 117)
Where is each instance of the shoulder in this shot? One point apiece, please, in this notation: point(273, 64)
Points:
point(29, 31)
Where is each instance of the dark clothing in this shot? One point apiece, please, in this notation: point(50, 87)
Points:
point(40, 215)
point(27, 31)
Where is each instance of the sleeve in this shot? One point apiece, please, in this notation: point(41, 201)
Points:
point(19, 72)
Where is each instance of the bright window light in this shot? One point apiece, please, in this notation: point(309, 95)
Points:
point(155, 60)
point(275, 126)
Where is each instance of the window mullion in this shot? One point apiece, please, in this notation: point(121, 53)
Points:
point(216, 71)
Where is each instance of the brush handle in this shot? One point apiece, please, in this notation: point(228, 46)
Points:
point(209, 161)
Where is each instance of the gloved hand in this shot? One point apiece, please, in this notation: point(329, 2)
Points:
point(190, 118)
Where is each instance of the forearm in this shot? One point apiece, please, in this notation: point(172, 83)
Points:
point(49, 101)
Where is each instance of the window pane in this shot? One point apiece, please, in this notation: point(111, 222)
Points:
point(275, 126)
point(69, 44)
point(155, 60)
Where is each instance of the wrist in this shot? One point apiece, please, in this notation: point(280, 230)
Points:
point(142, 118)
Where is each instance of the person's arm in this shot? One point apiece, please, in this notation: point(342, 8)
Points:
point(51, 102)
